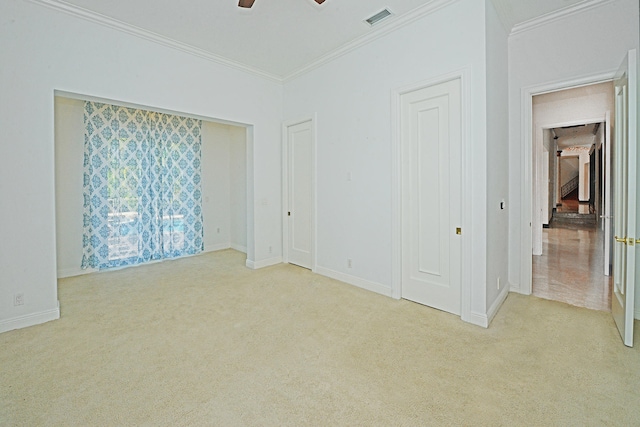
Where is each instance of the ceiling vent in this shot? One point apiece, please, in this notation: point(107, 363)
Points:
point(373, 20)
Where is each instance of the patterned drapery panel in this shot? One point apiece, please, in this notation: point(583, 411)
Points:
point(142, 196)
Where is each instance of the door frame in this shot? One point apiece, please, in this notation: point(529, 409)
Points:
point(285, 187)
point(607, 188)
point(466, 180)
point(526, 169)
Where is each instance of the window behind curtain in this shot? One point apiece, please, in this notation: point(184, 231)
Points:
point(142, 197)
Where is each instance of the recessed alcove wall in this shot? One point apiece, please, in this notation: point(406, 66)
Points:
point(224, 196)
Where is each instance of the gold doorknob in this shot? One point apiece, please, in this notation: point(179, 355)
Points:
point(627, 240)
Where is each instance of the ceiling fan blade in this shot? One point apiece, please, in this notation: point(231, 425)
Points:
point(247, 3)
point(319, 1)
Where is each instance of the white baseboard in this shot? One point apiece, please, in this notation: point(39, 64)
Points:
point(482, 319)
point(239, 248)
point(223, 246)
point(70, 272)
point(493, 310)
point(216, 247)
point(355, 281)
point(478, 319)
point(254, 265)
point(30, 319)
point(517, 289)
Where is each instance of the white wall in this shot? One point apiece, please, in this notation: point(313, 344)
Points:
point(224, 186)
point(546, 209)
point(216, 195)
point(352, 98)
point(238, 188)
point(44, 50)
point(600, 171)
point(576, 47)
point(568, 169)
point(497, 168)
point(584, 104)
point(551, 165)
point(585, 178)
point(68, 169)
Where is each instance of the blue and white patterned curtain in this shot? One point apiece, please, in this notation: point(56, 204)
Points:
point(142, 197)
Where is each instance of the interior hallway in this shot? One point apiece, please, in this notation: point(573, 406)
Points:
point(570, 268)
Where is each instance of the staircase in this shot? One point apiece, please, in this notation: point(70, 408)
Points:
point(567, 215)
point(569, 186)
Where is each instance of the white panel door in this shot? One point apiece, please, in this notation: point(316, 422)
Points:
point(431, 195)
point(626, 186)
point(299, 170)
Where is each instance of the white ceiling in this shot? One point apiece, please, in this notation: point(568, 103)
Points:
point(277, 37)
point(577, 131)
point(570, 136)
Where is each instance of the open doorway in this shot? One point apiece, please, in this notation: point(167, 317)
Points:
point(570, 193)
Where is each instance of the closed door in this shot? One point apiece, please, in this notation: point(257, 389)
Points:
point(299, 191)
point(431, 195)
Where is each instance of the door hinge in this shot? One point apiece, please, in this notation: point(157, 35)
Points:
point(458, 230)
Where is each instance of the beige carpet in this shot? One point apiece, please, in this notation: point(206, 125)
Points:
point(206, 341)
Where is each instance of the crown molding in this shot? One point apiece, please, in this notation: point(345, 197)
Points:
point(557, 15)
point(115, 24)
point(375, 34)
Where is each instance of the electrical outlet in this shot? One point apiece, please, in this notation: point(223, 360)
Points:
point(349, 263)
point(18, 299)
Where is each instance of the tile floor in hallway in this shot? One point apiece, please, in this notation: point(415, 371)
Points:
point(570, 268)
